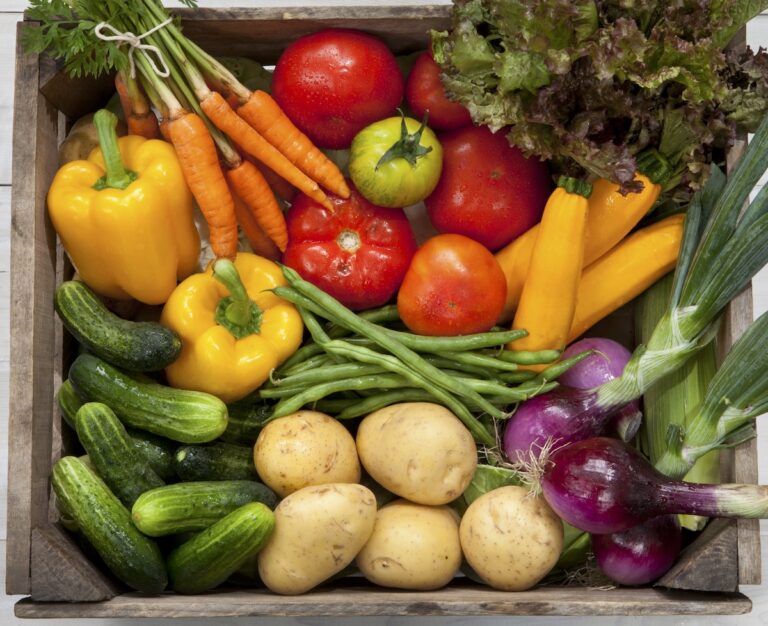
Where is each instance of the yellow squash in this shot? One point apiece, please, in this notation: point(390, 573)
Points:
point(626, 271)
point(611, 216)
point(233, 329)
point(124, 216)
point(548, 300)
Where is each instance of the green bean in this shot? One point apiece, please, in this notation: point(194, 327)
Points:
point(387, 313)
point(312, 363)
point(332, 406)
point(302, 354)
point(286, 406)
point(559, 368)
point(329, 373)
point(520, 376)
point(449, 364)
point(380, 400)
point(529, 358)
point(317, 301)
point(480, 360)
point(419, 380)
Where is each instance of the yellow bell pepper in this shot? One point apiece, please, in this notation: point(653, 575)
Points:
point(124, 216)
point(233, 329)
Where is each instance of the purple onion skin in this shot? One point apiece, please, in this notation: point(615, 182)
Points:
point(641, 554)
point(564, 414)
point(608, 360)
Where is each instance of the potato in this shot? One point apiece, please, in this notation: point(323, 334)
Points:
point(305, 448)
point(419, 451)
point(318, 532)
point(511, 538)
point(413, 546)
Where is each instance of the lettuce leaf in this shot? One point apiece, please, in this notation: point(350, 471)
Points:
point(590, 84)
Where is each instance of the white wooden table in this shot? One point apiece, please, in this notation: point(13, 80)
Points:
point(10, 13)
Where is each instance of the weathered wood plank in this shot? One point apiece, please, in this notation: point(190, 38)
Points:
point(458, 599)
point(60, 572)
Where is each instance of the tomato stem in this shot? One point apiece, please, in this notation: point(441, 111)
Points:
point(408, 147)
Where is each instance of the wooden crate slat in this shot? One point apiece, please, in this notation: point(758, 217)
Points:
point(459, 600)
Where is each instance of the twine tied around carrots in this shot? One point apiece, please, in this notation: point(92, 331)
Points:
point(134, 43)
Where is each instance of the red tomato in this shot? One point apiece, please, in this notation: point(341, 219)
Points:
point(425, 92)
point(335, 82)
point(454, 286)
point(488, 190)
point(358, 253)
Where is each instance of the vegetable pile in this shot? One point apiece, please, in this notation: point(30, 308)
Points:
point(387, 358)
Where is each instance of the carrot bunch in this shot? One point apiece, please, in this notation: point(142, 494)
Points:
point(225, 136)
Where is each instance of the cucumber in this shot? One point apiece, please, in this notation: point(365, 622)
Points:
point(195, 506)
point(106, 523)
point(68, 403)
point(134, 346)
point(246, 420)
point(113, 453)
point(211, 557)
point(185, 416)
point(158, 452)
point(217, 461)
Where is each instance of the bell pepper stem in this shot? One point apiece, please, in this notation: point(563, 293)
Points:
point(240, 315)
point(117, 176)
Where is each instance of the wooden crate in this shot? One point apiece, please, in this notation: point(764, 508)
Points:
point(44, 562)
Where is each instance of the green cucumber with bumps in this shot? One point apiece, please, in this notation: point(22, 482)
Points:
point(106, 523)
point(113, 453)
point(194, 506)
point(246, 420)
point(178, 414)
point(216, 461)
point(133, 346)
point(68, 402)
point(209, 558)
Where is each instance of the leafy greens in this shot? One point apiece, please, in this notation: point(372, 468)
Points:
point(590, 84)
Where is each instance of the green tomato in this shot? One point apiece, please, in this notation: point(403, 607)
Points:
point(395, 162)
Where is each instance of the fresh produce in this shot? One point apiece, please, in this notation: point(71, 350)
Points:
point(626, 271)
point(192, 506)
point(257, 239)
point(133, 346)
point(676, 397)
point(68, 402)
point(425, 94)
point(412, 547)
point(335, 82)
point(715, 264)
point(602, 485)
point(200, 123)
point(610, 217)
point(234, 330)
point(549, 297)
point(216, 461)
point(417, 450)
point(137, 111)
point(453, 286)
point(82, 139)
point(303, 449)
point(125, 216)
point(209, 558)
point(488, 190)
point(641, 554)
point(415, 377)
point(306, 547)
point(396, 162)
point(185, 416)
point(106, 523)
point(245, 422)
point(113, 453)
point(606, 361)
point(510, 538)
point(591, 85)
point(358, 252)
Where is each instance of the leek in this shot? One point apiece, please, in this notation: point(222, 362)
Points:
point(672, 399)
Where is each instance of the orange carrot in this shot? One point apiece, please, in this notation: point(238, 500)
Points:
point(226, 120)
point(164, 130)
point(139, 117)
point(280, 186)
point(260, 243)
point(265, 115)
point(200, 164)
point(250, 185)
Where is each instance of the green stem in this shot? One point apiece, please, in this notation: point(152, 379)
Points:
point(408, 147)
point(575, 185)
point(117, 177)
point(236, 312)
